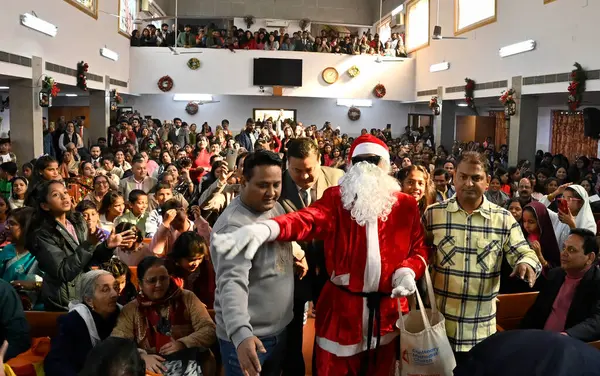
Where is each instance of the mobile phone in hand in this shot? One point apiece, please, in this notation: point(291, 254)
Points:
point(563, 205)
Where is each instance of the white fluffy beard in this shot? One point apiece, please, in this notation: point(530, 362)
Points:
point(368, 192)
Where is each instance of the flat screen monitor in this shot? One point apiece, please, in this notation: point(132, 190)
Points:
point(277, 72)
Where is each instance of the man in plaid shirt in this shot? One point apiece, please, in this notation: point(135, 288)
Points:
point(471, 236)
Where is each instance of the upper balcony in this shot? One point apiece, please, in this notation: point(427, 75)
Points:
point(224, 72)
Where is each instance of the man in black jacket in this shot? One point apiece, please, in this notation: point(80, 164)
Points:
point(570, 301)
point(303, 183)
point(13, 325)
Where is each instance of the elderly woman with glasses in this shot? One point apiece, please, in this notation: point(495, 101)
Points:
point(90, 320)
point(169, 325)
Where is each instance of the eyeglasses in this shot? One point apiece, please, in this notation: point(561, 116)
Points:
point(155, 280)
point(373, 159)
point(571, 199)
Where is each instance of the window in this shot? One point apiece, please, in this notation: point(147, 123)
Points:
point(471, 14)
point(385, 31)
point(417, 25)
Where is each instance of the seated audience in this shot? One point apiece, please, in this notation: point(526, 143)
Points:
point(139, 180)
point(45, 169)
point(13, 325)
point(90, 320)
point(120, 271)
point(65, 249)
point(101, 186)
point(443, 189)
point(570, 302)
point(111, 208)
point(495, 194)
point(137, 213)
point(19, 189)
point(114, 357)
point(164, 320)
point(163, 194)
point(190, 267)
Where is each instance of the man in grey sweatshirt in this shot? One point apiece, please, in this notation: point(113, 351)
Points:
point(254, 298)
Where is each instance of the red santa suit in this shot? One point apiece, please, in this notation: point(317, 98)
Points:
point(360, 260)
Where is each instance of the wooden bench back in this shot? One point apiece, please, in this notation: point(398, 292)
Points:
point(43, 324)
point(511, 308)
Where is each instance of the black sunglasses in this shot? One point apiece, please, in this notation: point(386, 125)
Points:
point(373, 159)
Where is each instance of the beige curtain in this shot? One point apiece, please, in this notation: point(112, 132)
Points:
point(568, 137)
point(500, 136)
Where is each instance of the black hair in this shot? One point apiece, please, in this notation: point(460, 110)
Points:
point(474, 157)
point(107, 201)
point(160, 186)
point(27, 165)
point(101, 176)
point(590, 244)
point(135, 195)
point(441, 171)
point(188, 244)
point(23, 216)
point(114, 357)
point(4, 141)
point(147, 263)
point(175, 119)
point(41, 194)
point(85, 205)
point(116, 267)
point(13, 180)
point(170, 204)
point(224, 121)
point(109, 157)
point(240, 156)
point(302, 147)
point(9, 167)
point(40, 165)
point(260, 158)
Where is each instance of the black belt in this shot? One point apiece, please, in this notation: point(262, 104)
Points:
point(374, 306)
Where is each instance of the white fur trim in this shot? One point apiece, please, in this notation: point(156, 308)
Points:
point(373, 265)
point(349, 350)
point(273, 228)
point(371, 148)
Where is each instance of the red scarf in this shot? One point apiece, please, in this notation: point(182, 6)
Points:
point(150, 309)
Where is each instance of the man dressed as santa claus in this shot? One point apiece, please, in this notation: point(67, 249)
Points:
point(372, 237)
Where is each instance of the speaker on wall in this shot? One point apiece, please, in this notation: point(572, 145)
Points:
point(591, 118)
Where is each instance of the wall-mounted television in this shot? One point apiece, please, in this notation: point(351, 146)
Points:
point(277, 72)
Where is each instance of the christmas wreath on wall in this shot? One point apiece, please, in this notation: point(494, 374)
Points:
point(379, 91)
point(353, 113)
point(193, 63)
point(470, 93)
point(353, 71)
point(191, 108)
point(82, 69)
point(434, 106)
point(49, 89)
point(165, 83)
point(577, 87)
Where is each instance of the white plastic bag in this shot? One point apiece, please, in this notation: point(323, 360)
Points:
point(424, 346)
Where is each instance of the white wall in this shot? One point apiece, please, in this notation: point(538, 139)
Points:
point(5, 125)
point(225, 72)
point(79, 37)
point(261, 23)
point(309, 111)
point(565, 31)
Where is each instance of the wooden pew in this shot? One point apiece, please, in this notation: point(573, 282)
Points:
point(511, 308)
point(134, 277)
point(43, 324)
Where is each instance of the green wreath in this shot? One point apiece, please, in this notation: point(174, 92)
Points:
point(193, 63)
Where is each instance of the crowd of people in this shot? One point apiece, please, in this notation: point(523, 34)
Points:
point(154, 195)
point(328, 41)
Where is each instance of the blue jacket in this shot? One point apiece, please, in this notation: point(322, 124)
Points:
point(48, 145)
point(245, 141)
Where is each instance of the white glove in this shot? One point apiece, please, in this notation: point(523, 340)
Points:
point(248, 237)
point(403, 283)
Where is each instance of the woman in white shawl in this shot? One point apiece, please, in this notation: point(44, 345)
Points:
point(579, 216)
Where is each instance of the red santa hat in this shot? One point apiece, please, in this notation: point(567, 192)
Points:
point(369, 144)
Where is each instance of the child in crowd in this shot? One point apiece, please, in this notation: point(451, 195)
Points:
point(5, 154)
point(538, 230)
point(27, 170)
point(137, 213)
point(111, 208)
point(92, 219)
point(19, 188)
point(8, 170)
point(119, 270)
point(164, 193)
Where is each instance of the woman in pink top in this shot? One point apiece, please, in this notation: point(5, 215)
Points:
point(201, 164)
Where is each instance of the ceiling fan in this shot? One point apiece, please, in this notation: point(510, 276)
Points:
point(139, 20)
point(437, 30)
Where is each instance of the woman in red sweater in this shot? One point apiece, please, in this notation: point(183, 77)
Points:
point(201, 164)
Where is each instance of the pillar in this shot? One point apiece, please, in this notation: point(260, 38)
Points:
point(26, 131)
point(99, 114)
point(448, 124)
point(437, 120)
point(522, 127)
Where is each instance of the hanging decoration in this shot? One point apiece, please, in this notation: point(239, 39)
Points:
point(379, 91)
point(191, 108)
point(165, 83)
point(508, 101)
point(249, 21)
point(353, 113)
point(49, 89)
point(304, 23)
point(434, 106)
point(115, 100)
point(577, 87)
point(193, 63)
point(470, 94)
point(353, 71)
point(82, 69)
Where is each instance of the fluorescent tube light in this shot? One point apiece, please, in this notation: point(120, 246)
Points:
point(70, 95)
point(193, 97)
point(399, 9)
point(4, 88)
point(439, 67)
point(517, 48)
point(355, 102)
point(109, 54)
point(32, 22)
point(462, 105)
